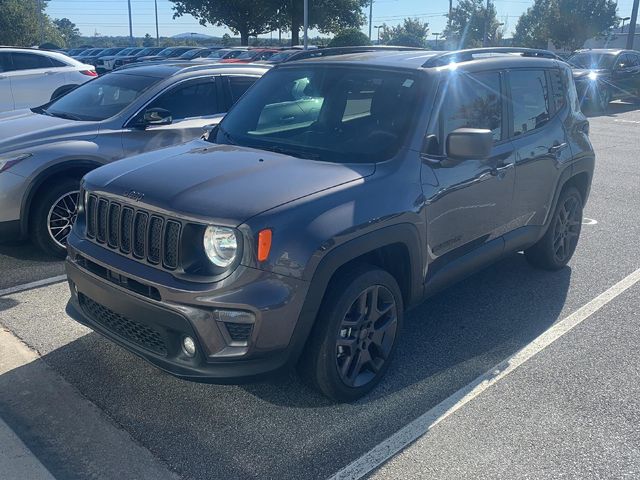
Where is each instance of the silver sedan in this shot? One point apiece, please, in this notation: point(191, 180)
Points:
point(45, 151)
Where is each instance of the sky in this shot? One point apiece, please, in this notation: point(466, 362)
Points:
point(110, 17)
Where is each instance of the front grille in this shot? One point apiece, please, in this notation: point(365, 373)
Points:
point(134, 232)
point(130, 330)
point(239, 332)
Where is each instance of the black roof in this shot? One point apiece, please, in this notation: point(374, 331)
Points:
point(424, 59)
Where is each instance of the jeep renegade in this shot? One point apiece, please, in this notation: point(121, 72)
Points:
point(338, 192)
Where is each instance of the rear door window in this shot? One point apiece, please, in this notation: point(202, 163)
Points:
point(30, 61)
point(530, 97)
point(194, 99)
point(239, 85)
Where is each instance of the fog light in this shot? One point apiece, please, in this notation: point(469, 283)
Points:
point(189, 346)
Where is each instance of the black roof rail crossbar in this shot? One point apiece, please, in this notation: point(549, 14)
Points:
point(331, 51)
point(466, 55)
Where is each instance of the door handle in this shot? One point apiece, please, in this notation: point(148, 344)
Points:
point(557, 148)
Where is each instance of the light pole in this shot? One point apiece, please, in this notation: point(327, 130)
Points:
point(370, 18)
point(632, 24)
point(437, 34)
point(624, 20)
point(378, 27)
point(306, 24)
point(130, 25)
point(485, 39)
point(157, 29)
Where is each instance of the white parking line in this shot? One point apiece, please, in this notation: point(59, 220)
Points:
point(421, 425)
point(32, 285)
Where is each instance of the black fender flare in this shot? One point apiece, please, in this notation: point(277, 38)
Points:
point(404, 233)
point(41, 178)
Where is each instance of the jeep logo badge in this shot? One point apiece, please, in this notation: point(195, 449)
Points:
point(133, 195)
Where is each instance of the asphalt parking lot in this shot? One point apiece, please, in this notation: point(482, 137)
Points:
point(571, 411)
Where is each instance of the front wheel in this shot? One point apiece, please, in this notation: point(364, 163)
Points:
point(355, 334)
point(555, 249)
point(54, 216)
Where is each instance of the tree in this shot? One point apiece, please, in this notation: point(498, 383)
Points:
point(324, 15)
point(467, 24)
point(412, 33)
point(19, 23)
point(349, 37)
point(248, 18)
point(68, 31)
point(148, 41)
point(567, 23)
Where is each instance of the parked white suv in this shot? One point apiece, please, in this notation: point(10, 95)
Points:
point(31, 77)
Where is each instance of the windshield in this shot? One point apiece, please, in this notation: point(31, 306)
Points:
point(218, 54)
point(592, 60)
point(126, 51)
point(191, 53)
point(99, 99)
point(166, 52)
point(328, 113)
point(280, 57)
point(110, 51)
point(247, 54)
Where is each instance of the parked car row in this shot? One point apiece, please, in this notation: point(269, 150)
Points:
point(340, 189)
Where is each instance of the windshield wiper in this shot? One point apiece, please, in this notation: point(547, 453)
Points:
point(67, 116)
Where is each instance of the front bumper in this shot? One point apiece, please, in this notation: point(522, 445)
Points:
point(112, 303)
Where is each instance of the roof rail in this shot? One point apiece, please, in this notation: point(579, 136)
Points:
point(331, 51)
point(446, 58)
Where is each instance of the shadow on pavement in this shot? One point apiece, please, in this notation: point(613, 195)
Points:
point(613, 110)
point(25, 251)
point(283, 429)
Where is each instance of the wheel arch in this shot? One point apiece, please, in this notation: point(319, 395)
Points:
point(396, 249)
point(72, 168)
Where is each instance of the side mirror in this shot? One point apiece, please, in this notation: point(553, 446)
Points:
point(211, 130)
point(155, 116)
point(469, 143)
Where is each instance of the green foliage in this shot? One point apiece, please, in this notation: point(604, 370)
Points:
point(67, 31)
point(567, 23)
point(412, 33)
point(245, 17)
point(148, 41)
point(467, 24)
point(19, 23)
point(350, 37)
point(324, 15)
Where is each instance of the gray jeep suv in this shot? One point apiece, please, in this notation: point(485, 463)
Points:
point(335, 194)
point(46, 150)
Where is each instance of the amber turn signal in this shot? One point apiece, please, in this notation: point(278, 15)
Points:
point(264, 244)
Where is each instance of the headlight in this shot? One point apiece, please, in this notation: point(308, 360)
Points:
point(220, 245)
point(7, 161)
point(592, 76)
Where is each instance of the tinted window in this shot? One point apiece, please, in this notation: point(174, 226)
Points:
point(239, 85)
point(5, 62)
point(559, 90)
point(530, 95)
point(57, 63)
point(101, 98)
point(29, 61)
point(473, 101)
point(302, 112)
point(191, 100)
point(592, 60)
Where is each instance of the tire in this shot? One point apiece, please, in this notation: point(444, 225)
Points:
point(555, 249)
point(54, 208)
point(62, 91)
point(346, 357)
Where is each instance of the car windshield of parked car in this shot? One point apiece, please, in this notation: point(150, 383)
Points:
point(166, 52)
point(110, 51)
point(328, 113)
point(593, 61)
point(247, 55)
point(189, 54)
point(280, 57)
point(99, 99)
point(218, 53)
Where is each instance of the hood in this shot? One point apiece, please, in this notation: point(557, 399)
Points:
point(151, 57)
point(579, 73)
point(226, 184)
point(23, 129)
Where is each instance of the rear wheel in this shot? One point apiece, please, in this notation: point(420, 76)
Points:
point(556, 248)
point(54, 215)
point(355, 334)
